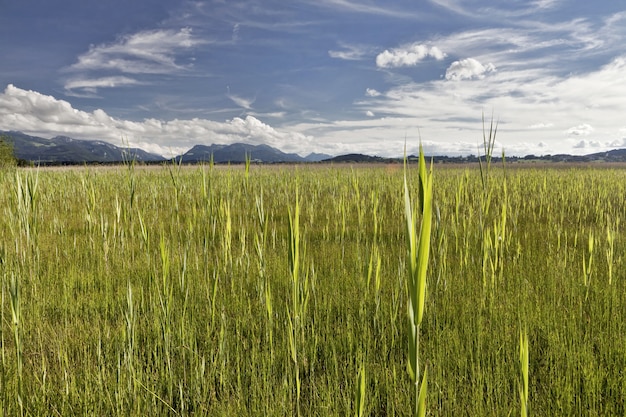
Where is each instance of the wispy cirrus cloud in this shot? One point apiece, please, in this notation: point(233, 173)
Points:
point(88, 87)
point(367, 7)
point(350, 52)
point(478, 10)
point(244, 102)
point(541, 125)
point(142, 53)
point(545, 4)
point(151, 52)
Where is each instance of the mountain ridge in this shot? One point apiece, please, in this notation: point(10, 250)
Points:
point(66, 150)
point(63, 149)
point(237, 153)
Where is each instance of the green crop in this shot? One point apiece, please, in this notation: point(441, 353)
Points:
point(278, 290)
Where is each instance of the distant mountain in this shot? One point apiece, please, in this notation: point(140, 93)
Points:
point(317, 157)
point(357, 157)
point(237, 152)
point(615, 155)
point(65, 150)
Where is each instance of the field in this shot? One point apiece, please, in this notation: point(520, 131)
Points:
point(283, 290)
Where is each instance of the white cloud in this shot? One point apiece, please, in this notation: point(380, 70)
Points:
point(91, 85)
point(545, 4)
point(236, 29)
point(369, 113)
point(511, 9)
point(350, 52)
point(618, 143)
point(150, 51)
point(451, 5)
point(580, 130)
point(146, 52)
point(519, 97)
point(467, 69)
point(371, 92)
point(541, 125)
point(34, 113)
point(557, 46)
point(363, 7)
point(246, 103)
point(408, 56)
point(586, 144)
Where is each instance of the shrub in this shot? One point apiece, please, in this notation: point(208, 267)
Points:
point(7, 158)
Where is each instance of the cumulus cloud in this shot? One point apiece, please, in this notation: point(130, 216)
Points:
point(468, 69)
point(585, 144)
point(618, 143)
point(21, 109)
point(408, 56)
point(38, 114)
point(580, 130)
point(369, 113)
point(370, 92)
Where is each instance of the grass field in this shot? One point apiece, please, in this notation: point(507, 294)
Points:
point(280, 291)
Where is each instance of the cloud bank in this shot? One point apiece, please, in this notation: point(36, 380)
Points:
point(37, 114)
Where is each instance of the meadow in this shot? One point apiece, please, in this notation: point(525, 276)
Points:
point(282, 291)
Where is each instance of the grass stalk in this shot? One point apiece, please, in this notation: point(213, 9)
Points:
point(489, 141)
point(418, 249)
point(360, 393)
point(16, 316)
point(523, 362)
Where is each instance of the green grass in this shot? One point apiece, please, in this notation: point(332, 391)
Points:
point(170, 291)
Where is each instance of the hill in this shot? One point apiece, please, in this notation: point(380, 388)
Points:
point(237, 153)
point(359, 158)
point(66, 150)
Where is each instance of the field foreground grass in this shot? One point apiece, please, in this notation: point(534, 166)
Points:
point(276, 290)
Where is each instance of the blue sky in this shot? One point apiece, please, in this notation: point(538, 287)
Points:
point(331, 76)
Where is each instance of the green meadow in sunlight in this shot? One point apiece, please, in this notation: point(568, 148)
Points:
point(282, 291)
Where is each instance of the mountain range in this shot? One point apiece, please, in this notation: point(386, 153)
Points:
point(65, 150)
point(238, 152)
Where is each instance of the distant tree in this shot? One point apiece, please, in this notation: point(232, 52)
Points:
point(7, 157)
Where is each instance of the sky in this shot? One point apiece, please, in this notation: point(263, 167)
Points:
point(326, 76)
